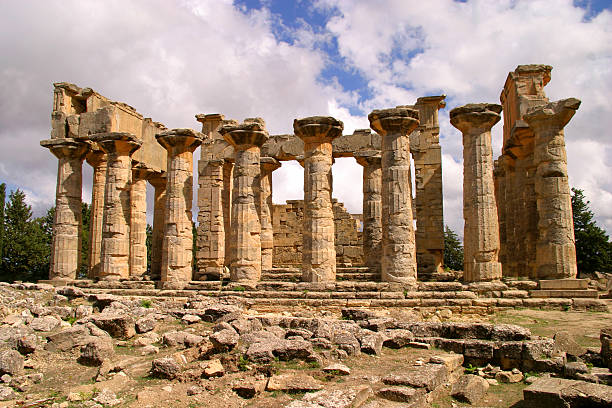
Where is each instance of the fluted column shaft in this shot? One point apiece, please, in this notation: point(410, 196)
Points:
point(211, 230)
point(555, 248)
point(159, 215)
point(115, 253)
point(372, 211)
point(138, 224)
point(268, 165)
point(97, 159)
point(481, 229)
point(247, 139)
point(318, 249)
point(228, 186)
point(66, 242)
point(177, 252)
point(398, 240)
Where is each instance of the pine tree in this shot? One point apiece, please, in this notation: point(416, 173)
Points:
point(593, 247)
point(86, 217)
point(26, 255)
point(453, 250)
point(2, 200)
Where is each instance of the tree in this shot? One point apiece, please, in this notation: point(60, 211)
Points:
point(86, 217)
point(26, 253)
point(453, 250)
point(593, 247)
point(2, 200)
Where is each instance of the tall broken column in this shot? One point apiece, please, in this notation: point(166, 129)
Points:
point(138, 224)
point(115, 252)
point(318, 250)
point(372, 209)
point(97, 159)
point(398, 240)
point(245, 254)
point(481, 230)
point(555, 248)
point(210, 254)
point(66, 243)
point(268, 165)
point(159, 214)
point(425, 149)
point(177, 253)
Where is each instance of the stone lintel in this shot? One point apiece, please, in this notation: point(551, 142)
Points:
point(252, 132)
point(554, 114)
point(189, 139)
point(481, 116)
point(315, 128)
point(401, 120)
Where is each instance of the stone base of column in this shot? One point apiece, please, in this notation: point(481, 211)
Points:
point(547, 260)
point(484, 272)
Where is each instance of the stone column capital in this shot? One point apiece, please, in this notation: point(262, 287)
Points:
point(317, 128)
point(158, 181)
point(402, 120)
point(252, 132)
point(269, 164)
point(204, 118)
point(96, 156)
point(368, 158)
point(180, 140)
point(121, 143)
point(139, 173)
point(475, 117)
point(66, 148)
point(554, 115)
point(436, 101)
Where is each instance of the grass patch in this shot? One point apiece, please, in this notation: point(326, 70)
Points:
point(146, 303)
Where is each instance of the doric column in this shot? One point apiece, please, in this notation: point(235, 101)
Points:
point(211, 229)
point(228, 186)
point(372, 210)
point(267, 165)
point(425, 148)
point(66, 243)
point(499, 182)
point(159, 215)
point(138, 224)
point(97, 159)
point(481, 230)
point(177, 253)
point(555, 248)
point(245, 255)
point(398, 241)
point(115, 255)
point(318, 249)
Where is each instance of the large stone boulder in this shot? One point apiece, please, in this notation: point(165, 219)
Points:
point(119, 326)
point(224, 340)
point(75, 336)
point(45, 323)
point(165, 367)
point(469, 388)
point(11, 362)
point(181, 338)
point(96, 351)
point(293, 383)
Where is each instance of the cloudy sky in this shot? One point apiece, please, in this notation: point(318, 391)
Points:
point(280, 60)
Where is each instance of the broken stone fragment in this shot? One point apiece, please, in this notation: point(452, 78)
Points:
point(293, 383)
point(11, 362)
point(470, 388)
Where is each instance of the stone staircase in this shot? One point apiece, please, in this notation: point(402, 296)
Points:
point(356, 288)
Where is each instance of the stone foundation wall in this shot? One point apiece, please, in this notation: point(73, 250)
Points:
point(288, 225)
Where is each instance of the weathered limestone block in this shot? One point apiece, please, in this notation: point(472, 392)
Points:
point(97, 159)
point(177, 253)
point(398, 240)
point(66, 244)
point(115, 252)
point(372, 210)
point(318, 250)
point(211, 229)
point(481, 231)
point(555, 250)
point(268, 165)
point(159, 213)
point(425, 148)
point(138, 223)
point(245, 253)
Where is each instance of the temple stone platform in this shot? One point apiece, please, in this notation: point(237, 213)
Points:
point(281, 287)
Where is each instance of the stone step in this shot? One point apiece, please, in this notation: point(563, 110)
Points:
point(340, 276)
point(559, 392)
point(564, 284)
point(553, 293)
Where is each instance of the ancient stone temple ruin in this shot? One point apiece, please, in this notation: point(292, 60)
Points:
point(517, 209)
